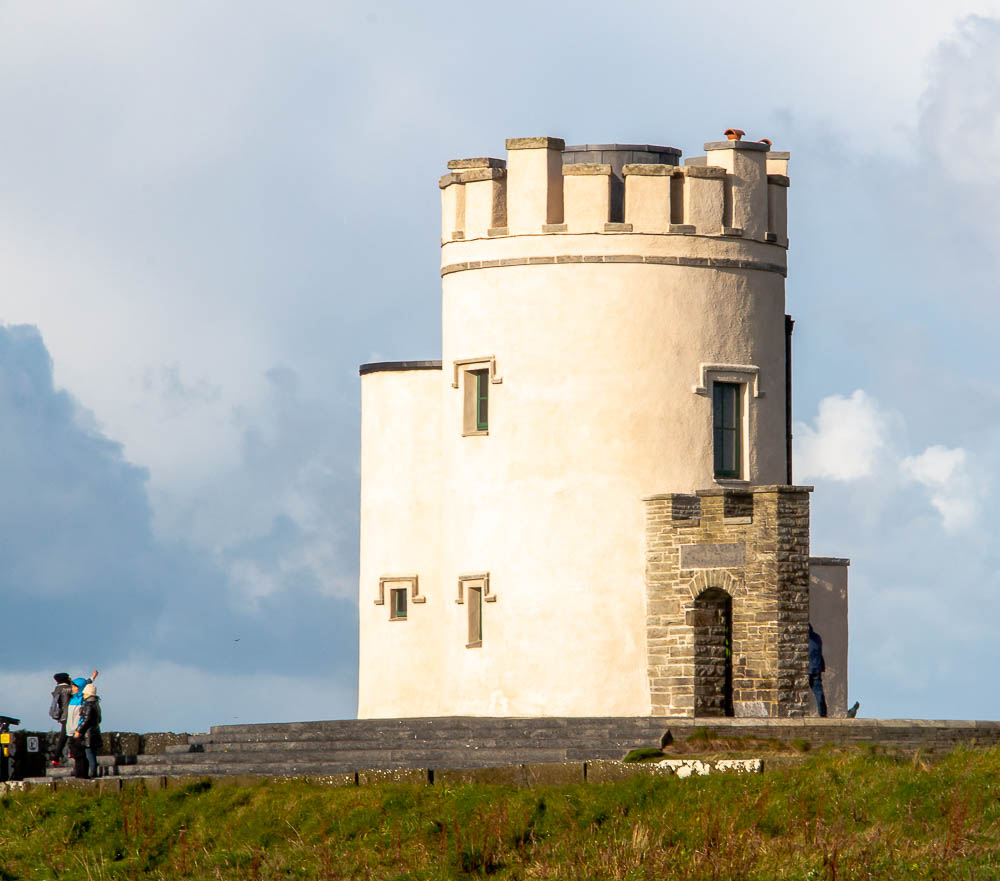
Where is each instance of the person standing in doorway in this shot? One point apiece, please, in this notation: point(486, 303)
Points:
point(817, 666)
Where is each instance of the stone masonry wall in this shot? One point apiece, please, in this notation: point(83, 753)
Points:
point(753, 544)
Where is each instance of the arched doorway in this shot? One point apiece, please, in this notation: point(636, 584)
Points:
point(713, 653)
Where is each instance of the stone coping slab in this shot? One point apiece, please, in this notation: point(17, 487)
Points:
point(535, 143)
point(738, 145)
point(391, 366)
point(635, 148)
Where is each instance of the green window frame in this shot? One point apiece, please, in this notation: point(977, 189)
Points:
point(727, 429)
point(482, 399)
point(397, 607)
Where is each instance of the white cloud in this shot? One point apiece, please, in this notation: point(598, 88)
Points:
point(952, 492)
point(855, 440)
point(934, 467)
point(960, 110)
point(849, 436)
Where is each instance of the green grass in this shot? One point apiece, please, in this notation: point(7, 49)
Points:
point(859, 814)
point(644, 754)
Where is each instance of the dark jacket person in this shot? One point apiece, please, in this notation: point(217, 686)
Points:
point(817, 666)
point(87, 736)
point(60, 704)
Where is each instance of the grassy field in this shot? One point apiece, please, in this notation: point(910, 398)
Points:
point(856, 814)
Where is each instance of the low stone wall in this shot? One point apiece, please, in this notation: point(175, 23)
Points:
point(121, 743)
point(115, 743)
point(548, 774)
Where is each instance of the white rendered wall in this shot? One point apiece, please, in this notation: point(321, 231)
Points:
point(828, 616)
point(400, 535)
point(595, 408)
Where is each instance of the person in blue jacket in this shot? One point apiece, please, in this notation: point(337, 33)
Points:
point(817, 666)
point(76, 701)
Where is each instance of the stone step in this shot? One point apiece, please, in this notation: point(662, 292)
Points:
point(265, 769)
point(390, 731)
point(422, 727)
point(452, 733)
point(627, 741)
point(349, 746)
point(370, 758)
point(181, 748)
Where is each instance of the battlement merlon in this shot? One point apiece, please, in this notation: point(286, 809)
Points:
point(738, 190)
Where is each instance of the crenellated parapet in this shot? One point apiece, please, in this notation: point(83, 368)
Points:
point(737, 190)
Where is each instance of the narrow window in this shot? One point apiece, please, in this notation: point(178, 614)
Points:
point(474, 600)
point(482, 399)
point(726, 428)
point(475, 419)
point(398, 606)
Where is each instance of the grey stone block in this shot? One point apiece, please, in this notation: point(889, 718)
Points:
point(705, 171)
point(399, 775)
point(736, 145)
point(535, 143)
point(538, 774)
point(478, 174)
point(649, 169)
point(611, 771)
point(585, 168)
point(157, 741)
point(480, 162)
point(713, 556)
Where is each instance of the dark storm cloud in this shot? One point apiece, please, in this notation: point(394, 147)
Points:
point(74, 515)
point(82, 574)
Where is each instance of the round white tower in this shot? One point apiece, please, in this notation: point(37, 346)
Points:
point(613, 327)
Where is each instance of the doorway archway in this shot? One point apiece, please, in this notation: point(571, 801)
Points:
point(713, 653)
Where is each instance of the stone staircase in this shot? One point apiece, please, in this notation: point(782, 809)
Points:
point(350, 746)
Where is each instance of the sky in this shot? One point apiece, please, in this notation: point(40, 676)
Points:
point(212, 212)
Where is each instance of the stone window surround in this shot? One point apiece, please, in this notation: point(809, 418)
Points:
point(410, 581)
point(488, 362)
point(469, 366)
point(484, 582)
point(748, 376)
point(744, 374)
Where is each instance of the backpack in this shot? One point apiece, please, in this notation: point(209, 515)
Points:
point(55, 708)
